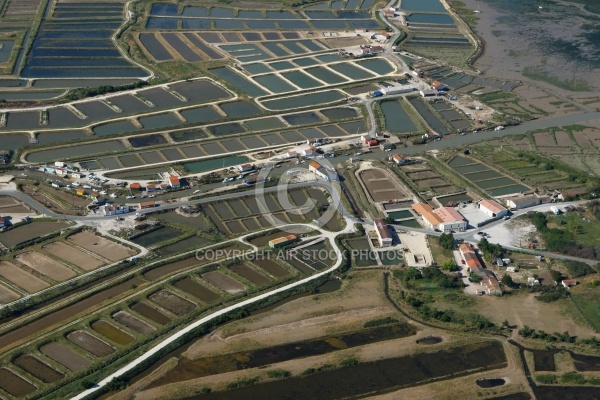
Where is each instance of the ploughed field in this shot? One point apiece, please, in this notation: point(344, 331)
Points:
point(382, 186)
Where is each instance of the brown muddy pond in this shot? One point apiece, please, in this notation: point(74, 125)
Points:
point(133, 322)
point(376, 377)
point(224, 282)
point(90, 343)
point(65, 356)
point(151, 313)
point(430, 340)
point(167, 269)
point(272, 267)
point(544, 359)
point(14, 384)
point(189, 369)
point(171, 302)
point(490, 383)
point(250, 274)
point(111, 332)
point(197, 290)
point(40, 370)
point(586, 363)
point(553, 392)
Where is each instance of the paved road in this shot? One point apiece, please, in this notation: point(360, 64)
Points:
point(167, 206)
point(150, 353)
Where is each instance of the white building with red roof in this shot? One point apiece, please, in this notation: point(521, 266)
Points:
point(491, 208)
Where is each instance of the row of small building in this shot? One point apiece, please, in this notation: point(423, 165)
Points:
point(468, 254)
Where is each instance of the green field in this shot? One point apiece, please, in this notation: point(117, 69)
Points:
point(587, 299)
point(584, 227)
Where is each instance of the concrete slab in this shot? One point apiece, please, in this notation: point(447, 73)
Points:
point(472, 214)
point(418, 254)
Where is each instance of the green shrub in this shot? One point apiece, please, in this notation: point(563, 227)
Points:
point(349, 362)
point(279, 374)
point(546, 379)
point(242, 383)
point(379, 322)
point(577, 269)
point(573, 377)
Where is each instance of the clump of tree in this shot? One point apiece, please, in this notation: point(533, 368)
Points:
point(103, 89)
point(411, 274)
point(450, 266)
point(531, 333)
point(594, 208)
point(578, 268)
point(446, 241)
point(560, 240)
point(380, 322)
point(507, 281)
point(550, 293)
point(490, 250)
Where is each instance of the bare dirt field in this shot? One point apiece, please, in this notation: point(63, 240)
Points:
point(72, 255)
point(224, 282)
point(582, 140)
point(24, 280)
point(382, 186)
point(555, 150)
point(544, 139)
point(104, 247)
point(10, 205)
point(415, 167)
point(431, 182)
point(7, 295)
point(422, 175)
point(46, 265)
point(345, 41)
point(563, 139)
point(65, 356)
point(7, 201)
point(526, 310)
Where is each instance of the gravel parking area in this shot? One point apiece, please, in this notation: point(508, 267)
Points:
point(418, 254)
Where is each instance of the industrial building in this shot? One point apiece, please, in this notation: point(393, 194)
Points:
point(174, 182)
point(445, 219)
point(321, 171)
point(114, 210)
point(493, 209)
point(384, 236)
point(282, 241)
point(517, 203)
